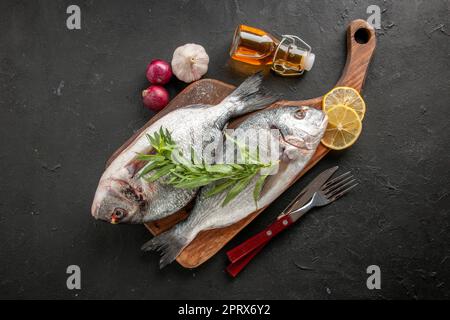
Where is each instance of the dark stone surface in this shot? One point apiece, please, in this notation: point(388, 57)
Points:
point(70, 98)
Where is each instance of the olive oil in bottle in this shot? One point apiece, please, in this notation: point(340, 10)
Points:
point(289, 56)
point(253, 46)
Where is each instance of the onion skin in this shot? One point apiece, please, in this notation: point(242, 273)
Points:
point(155, 97)
point(159, 72)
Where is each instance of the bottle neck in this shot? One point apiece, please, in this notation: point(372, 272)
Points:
point(292, 57)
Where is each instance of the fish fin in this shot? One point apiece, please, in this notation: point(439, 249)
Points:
point(251, 96)
point(169, 244)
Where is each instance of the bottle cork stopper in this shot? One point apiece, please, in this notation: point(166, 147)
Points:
point(309, 61)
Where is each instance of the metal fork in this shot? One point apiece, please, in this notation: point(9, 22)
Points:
point(330, 191)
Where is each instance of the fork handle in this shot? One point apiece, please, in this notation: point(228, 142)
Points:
point(259, 239)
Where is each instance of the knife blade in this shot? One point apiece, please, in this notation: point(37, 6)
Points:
point(306, 194)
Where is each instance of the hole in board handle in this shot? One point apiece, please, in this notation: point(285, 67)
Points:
point(362, 36)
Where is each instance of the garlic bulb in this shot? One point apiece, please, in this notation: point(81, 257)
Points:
point(190, 62)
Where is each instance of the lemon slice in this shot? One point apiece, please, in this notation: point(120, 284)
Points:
point(344, 96)
point(344, 128)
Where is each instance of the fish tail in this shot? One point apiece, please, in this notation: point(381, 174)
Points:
point(249, 96)
point(169, 244)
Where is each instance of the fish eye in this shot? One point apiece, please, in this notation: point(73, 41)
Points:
point(300, 114)
point(118, 214)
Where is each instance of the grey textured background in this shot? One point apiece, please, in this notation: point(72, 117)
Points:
point(70, 98)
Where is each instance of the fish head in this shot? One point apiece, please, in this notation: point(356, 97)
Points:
point(303, 128)
point(116, 201)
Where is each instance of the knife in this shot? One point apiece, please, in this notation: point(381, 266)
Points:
point(241, 255)
point(306, 194)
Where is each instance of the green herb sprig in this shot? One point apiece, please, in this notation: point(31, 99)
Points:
point(168, 161)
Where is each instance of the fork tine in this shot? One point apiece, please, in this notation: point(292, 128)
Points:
point(340, 194)
point(337, 184)
point(335, 191)
point(329, 183)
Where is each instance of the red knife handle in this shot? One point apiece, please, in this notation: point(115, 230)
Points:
point(259, 239)
point(234, 268)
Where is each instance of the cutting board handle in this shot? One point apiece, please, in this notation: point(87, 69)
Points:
point(361, 43)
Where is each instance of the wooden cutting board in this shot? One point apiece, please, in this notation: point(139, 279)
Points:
point(209, 91)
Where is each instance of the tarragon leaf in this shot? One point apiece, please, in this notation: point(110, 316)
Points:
point(195, 183)
point(258, 188)
point(152, 141)
point(150, 157)
point(177, 157)
point(219, 168)
point(150, 167)
point(168, 161)
point(234, 191)
point(160, 172)
point(219, 188)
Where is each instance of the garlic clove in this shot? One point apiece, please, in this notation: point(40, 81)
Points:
point(190, 62)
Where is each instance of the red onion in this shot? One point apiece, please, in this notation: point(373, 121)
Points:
point(159, 72)
point(155, 97)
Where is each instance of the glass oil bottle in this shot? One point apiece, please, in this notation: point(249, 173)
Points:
point(290, 56)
